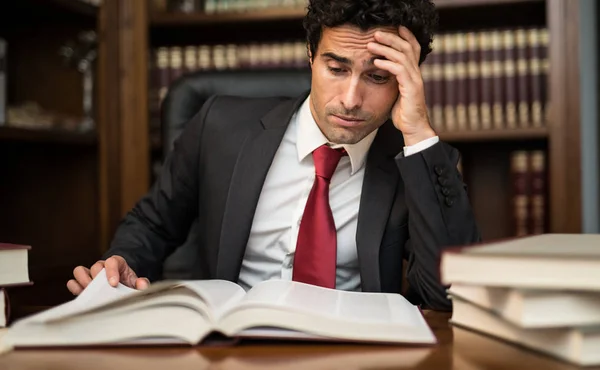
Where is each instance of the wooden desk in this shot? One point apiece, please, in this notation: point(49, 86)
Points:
point(458, 349)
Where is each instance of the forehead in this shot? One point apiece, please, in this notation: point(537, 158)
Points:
point(348, 38)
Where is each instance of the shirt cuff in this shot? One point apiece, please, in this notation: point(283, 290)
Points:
point(421, 145)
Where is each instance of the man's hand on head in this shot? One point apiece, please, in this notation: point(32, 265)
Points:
point(400, 56)
point(117, 271)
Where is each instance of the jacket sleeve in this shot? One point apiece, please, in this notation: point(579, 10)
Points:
point(439, 216)
point(160, 221)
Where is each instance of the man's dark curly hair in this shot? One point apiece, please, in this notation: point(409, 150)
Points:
point(419, 16)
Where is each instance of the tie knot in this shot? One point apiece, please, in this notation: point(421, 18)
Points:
point(326, 160)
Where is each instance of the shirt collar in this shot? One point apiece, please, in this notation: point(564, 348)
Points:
point(310, 137)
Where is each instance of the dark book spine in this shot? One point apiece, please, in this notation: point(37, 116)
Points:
point(545, 60)
point(450, 98)
point(153, 90)
point(486, 57)
point(535, 74)
point(437, 84)
point(523, 95)
point(538, 192)
point(510, 79)
point(473, 79)
point(3, 81)
point(162, 71)
point(520, 196)
point(204, 57)
point(462, 82)
point(175, 63)
point(498, 80)
point(191, 59)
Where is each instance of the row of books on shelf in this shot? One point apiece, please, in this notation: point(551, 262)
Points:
point(529, 191)
point(221, 6)
point(168, 63)
point(490, 79)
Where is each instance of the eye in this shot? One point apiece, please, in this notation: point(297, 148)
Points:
point(335, 70)
point(379, 78)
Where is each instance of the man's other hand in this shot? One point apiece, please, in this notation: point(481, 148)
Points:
point(117, 271)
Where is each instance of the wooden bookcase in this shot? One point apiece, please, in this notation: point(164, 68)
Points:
point(48, 176)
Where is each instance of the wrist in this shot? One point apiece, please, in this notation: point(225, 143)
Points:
point(417, 137)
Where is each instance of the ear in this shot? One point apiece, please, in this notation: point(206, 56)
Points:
point(310, 59)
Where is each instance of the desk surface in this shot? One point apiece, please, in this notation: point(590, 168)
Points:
point(458, 349)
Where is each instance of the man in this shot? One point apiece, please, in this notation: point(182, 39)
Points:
point(334, 188)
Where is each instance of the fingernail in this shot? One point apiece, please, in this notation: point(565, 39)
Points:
point(113, 281)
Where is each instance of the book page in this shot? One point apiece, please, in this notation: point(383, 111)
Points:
point(98, 293)
point(216, 294)
point(378, 308)
point(219, 295)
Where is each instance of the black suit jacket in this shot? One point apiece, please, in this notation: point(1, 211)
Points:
point(411, 207)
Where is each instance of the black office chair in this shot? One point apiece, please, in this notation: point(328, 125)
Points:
point(185, 98)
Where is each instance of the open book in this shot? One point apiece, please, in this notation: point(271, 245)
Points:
point(187, 312)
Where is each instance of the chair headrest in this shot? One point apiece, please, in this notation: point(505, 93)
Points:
point(187, 95)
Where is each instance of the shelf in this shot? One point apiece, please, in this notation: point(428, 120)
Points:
point(46, 135)
point(76, 6)
point(495, 135)
point(200, 19)
point(282, 14)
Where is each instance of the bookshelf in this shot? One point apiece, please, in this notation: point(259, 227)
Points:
point(487, 152)
point(48, 166)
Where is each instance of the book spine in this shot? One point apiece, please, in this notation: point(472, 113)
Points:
point(449, 67)
point(4, 308)
point(510, 79)
point(538, 192)
point(153, 90)
point(191, 59)
point(485, 109)
point(520, 206)
point(522, 78)
point(437, 84)
point(545, 59)
point(163, 75)
point(535, 73)
point(461, 81)
point(175, 63)
point(473, 74)
point(204, 58)
point(497, 80)
point(3, 81)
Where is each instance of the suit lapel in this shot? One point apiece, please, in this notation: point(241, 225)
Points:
point(378, 191)
point(254, 160)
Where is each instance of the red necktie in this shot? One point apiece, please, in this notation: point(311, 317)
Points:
point(315, 256)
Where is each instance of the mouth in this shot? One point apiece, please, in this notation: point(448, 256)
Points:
point(347, 121)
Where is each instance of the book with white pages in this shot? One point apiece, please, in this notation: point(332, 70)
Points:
point(577, 345)
point(545, 261)
point(187, 312)
point(529, 308)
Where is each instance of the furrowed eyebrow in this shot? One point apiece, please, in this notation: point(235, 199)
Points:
point(337, 58)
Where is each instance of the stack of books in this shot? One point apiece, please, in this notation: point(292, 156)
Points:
point(540, 292)
point(14, 271)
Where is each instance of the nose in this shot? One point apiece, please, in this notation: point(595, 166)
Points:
point(352, 97)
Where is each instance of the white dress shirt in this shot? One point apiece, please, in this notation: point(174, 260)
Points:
point(272, 242)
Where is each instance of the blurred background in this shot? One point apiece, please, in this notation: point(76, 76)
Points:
point(511, 83)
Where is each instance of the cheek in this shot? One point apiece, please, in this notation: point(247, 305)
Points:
point(383, 99)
